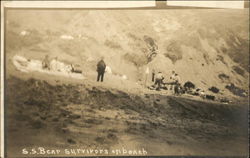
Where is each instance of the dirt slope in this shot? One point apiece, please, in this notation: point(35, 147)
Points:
point(77, 116)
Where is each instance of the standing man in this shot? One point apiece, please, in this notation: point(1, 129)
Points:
point(101, 66)
point(172, 80)
point(159, 80)
point(177, 84)
point(153, 75)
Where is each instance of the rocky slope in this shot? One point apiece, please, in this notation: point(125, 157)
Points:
point(201, 45)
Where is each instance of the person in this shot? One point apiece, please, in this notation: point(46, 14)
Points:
point(177, 79)
point(159, 80)
point(172, 82)
point(153, 75)
point(177, 84)
point(101, 66)
point(46, 63)
point(54, 64)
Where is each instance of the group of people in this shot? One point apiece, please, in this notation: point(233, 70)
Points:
point(159, 83)
point(157, 78)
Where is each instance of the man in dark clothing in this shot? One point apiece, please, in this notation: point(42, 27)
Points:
point(153, 75)
point(101, 66)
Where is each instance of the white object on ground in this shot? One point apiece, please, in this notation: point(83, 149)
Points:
point(124, 77)
point(108, 70)
point(58, 68)
point(20, 63)
point(67, 37)
point(24, 33)
point(34, 65)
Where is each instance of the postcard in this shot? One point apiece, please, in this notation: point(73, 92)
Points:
point(124, 78)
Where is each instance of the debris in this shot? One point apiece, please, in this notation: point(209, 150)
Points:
point(58, 68)
point(108, 70)
point(223, 76)
point(24, 33)
point(66, 37)
point(224, 100)
point(236, 90)
point(71, 141)
point(189, 85)
point(214, 89)
point(210, 97)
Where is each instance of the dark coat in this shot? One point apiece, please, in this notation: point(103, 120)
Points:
point(101, 66)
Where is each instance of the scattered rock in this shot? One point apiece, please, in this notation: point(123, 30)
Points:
point(100, 140)
point(236, 90)
point(214, 89)
point(112, 136)
point(224, 100)
point(189, 85)
point(239, 70)
point(223, 76)
point(210, 97)
point(71, 141)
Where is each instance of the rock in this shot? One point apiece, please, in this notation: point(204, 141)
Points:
point(236, 90)
point(214, 89)
point(189, 85)
point(71, 141)
point(210, 97)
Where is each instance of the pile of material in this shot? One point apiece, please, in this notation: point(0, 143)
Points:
point(56, 67)
point(236, 90)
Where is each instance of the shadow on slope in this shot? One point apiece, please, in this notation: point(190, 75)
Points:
point(73, 115)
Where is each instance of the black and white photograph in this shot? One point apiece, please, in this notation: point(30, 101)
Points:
point(166, 78)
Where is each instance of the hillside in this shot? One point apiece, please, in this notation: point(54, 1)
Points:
point(198, 44)
point(70, 115)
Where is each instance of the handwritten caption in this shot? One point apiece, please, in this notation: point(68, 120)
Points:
point(46, 151)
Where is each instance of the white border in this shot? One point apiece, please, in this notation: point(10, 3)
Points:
point(91, 4)
point(80, 4)
point(2, 81)
point(239, 4)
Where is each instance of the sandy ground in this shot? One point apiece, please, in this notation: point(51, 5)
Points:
point(66, 115)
